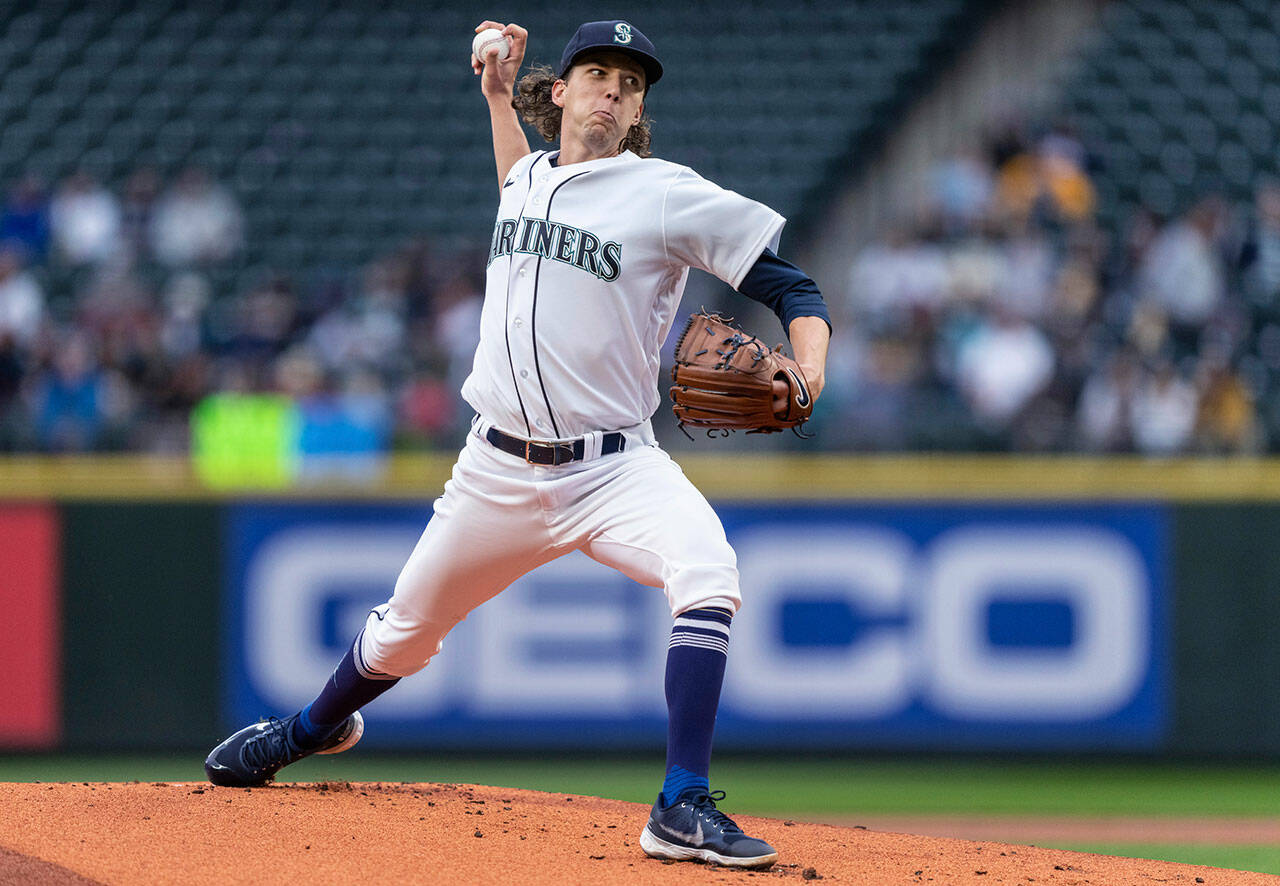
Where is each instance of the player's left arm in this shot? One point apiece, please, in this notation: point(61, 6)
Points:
point(791, 294)
point(810, 336)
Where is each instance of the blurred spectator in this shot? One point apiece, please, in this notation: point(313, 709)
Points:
point(84, 218)
point(889, 369)
point(366, 329)
point(1163, 412)
point(21, 299)
point(1260, 257)
point(427, 408)
point(1001, 365)
point(898, 275)
point(1026, 281)
point(1047, 181)
point(141, 191)
point(12, 371)
point(1226, 422)
point(69, 399)
point(185, 300)
point(963, 185)
point(26, 217)
point(1106, 405)
point(265, 320)
point(196, 222)
point(1182, 273)
point(457, 324)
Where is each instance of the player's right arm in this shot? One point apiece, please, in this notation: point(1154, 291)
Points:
point(497, 82)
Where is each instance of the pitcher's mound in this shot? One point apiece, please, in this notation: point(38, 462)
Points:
point(340, 832)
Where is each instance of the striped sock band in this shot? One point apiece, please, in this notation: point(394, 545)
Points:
point(703, 629)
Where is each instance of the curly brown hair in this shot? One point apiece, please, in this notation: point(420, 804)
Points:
point(533, 102)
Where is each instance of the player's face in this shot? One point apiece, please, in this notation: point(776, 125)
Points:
point(602, 97)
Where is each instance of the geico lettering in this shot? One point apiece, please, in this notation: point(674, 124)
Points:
point(1096, 572)
point(589, 614)
point(868, 568)
point(938, 650)
point(290, 580)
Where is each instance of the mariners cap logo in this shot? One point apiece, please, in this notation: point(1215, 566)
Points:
point(617, 35)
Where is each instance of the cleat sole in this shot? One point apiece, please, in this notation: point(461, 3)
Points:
point(656, 847)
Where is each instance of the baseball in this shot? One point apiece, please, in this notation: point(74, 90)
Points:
point(487, 38)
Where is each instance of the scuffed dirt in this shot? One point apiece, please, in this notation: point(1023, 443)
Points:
point(339, 832)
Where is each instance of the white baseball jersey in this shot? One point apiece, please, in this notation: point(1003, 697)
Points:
point(586, 268)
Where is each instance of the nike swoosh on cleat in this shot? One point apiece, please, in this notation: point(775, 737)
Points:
point(694, 839)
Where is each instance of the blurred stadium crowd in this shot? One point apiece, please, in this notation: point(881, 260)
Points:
point(247, 199)
point(1004, 317)
point(139, 337)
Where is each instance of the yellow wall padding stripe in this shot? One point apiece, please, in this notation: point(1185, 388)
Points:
point(721, 477)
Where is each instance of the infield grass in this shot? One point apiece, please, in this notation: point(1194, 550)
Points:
point(1264, 859)
point(814, 788)
point(772, 786)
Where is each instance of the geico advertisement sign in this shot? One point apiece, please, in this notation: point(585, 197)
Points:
point(911, 619)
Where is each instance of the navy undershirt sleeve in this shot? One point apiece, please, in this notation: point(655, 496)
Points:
point(784, 289)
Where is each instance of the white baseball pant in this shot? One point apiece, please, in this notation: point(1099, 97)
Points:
point(500, 517)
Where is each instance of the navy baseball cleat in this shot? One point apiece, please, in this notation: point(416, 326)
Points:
point(251, 757)
point(693, 829)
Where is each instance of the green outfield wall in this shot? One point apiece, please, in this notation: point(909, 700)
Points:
point(141, 592)
point(1226, 629)
point(139, 570)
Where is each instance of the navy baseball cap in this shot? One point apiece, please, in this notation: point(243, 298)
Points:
point(618, 36)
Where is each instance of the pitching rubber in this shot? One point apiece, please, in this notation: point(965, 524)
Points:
point(656, 847)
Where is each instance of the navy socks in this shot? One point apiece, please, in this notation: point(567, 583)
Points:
point(696, 657)
point(350, 688)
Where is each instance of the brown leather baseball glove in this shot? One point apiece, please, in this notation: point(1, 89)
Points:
point(724, 380)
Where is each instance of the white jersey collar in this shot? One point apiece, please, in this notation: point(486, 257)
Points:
point(587, 164)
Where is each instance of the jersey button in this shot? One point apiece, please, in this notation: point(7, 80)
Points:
point(537, 201)
point(524, 373)
point(517, 322)
point(524, 272)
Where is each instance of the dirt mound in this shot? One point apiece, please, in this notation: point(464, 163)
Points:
point(335, 832)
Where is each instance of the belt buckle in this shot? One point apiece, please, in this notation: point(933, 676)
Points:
point(528, 447)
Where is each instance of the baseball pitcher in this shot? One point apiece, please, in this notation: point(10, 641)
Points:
point(590, 252)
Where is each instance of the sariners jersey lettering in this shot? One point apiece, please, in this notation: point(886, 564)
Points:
point(558, 242)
